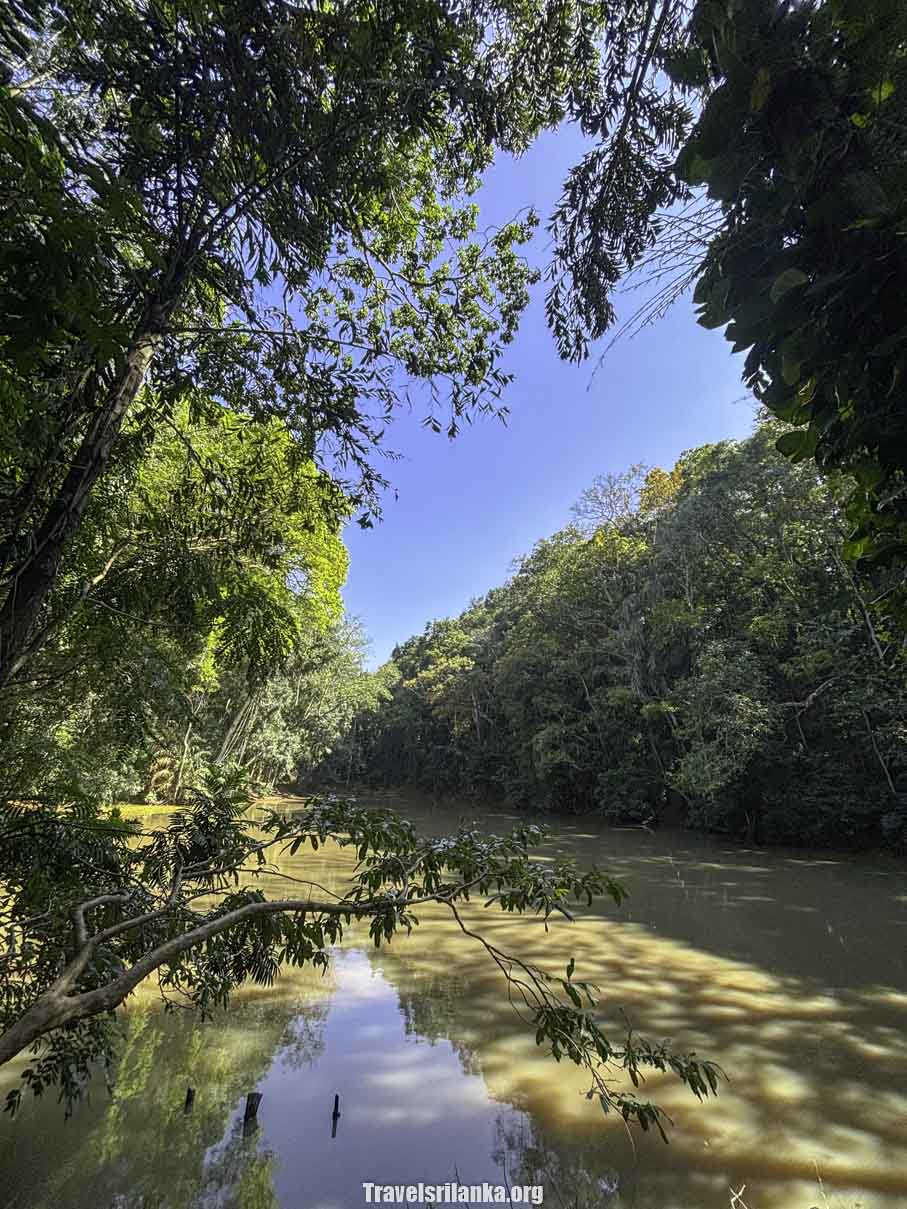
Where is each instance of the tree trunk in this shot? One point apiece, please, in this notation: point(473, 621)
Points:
point(36, 577)
point(751, 815)
point(178, 786)
point(349, 766)
point(247, 731)
point(878, 755)
point(231, 736)
point(48, 1012)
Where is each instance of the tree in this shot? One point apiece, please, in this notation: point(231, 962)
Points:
point(612, 498)
point(90, 920)
point(786, 209)
point(208, 560)
point(265, 204)
point(303, 717)
point(803, 145)
point(705, 650)
point(257, 202)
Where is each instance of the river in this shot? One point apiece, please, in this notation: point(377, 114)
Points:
point(789, 969)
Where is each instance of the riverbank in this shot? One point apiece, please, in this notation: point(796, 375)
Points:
point(482, 805)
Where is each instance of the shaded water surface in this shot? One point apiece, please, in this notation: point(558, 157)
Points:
point(788, 969)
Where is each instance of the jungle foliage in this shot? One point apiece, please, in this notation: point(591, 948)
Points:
point(786, 208)
point(266, 205)
point(237, 237)
point(197, 621)
point(693, 647)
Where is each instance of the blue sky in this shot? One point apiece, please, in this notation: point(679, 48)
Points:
point(466, 508)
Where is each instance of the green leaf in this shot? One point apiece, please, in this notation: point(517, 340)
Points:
point(798, 445)
point(761, 89)
point(691, 166)
point(790, 369)
point(855, 548)
point(880, 93)
point(788, 280)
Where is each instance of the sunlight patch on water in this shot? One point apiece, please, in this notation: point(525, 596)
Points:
point(807, 1013)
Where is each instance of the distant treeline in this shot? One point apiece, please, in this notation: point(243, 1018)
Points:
point(694, 646)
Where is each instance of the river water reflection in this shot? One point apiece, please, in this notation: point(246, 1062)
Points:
point(789, 970)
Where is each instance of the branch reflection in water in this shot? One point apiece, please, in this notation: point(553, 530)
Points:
point(788, 970)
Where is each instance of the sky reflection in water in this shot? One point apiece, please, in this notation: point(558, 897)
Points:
point(788, 969)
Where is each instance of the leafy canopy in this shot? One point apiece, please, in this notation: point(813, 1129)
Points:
point(786, 207)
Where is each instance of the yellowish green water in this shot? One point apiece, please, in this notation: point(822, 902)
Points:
point(788, 969)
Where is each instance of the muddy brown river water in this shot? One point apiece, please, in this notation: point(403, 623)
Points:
point(789, 969)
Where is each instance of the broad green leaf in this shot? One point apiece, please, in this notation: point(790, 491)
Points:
point(788, 280)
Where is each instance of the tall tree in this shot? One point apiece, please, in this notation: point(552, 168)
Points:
point(708, 651)
point(786, 208)
point(208, 559)
point(264, 202)
point(253, 201)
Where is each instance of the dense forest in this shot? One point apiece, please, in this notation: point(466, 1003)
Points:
point(212, 633)
point(693, 646)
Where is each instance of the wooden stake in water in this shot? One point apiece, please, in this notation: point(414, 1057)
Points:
point(250, 1116)
point(335, 1116)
